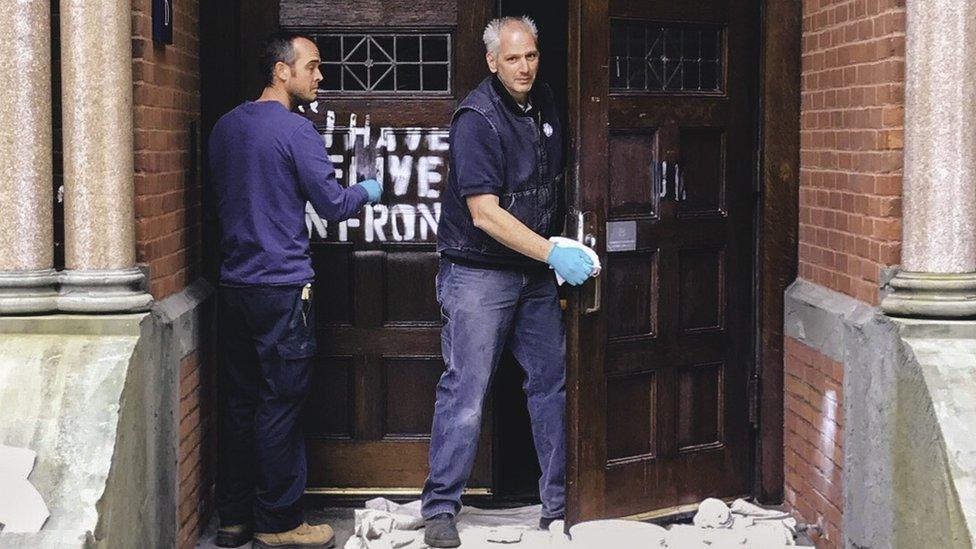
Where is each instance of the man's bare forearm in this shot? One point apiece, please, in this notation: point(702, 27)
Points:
point(506, 228)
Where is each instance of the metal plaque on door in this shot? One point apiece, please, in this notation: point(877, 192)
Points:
point(621, 236)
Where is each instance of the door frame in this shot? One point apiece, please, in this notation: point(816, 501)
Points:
point(779, 173)
point(777, 180)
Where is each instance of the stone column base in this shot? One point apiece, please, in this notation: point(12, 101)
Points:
point(115, 291)
point(931, 295)
point(28, 291)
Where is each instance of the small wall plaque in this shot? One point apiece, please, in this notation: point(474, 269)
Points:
point(162, 20)
point(621, 236)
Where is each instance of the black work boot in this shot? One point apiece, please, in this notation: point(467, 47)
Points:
point(234, 535)
point(544, 522)
point(441, 531)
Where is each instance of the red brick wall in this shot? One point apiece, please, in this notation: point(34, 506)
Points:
point(166, 92)
point(851, 142)
point(812, 438)
point(196, 451)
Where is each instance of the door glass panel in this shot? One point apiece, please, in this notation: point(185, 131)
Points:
point(385, 64)
point(664, 57)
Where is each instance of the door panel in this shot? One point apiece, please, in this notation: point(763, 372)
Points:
point(392, 77)
point(665, 148)
point(632, 282)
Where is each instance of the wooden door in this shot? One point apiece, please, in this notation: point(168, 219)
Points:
point(393, 74)
point(664, 96)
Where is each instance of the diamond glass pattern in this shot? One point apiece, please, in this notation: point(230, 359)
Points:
point(664, 57)
point(384, 64)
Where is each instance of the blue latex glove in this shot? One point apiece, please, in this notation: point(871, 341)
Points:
point(571, 263)
point(373, 189)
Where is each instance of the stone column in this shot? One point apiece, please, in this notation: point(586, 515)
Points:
point(27, 279)
point(99, 209)
point(938, 271)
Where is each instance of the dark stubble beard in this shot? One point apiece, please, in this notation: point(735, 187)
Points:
point(297, 100)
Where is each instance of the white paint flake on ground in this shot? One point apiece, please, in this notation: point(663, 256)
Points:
point(384, 524)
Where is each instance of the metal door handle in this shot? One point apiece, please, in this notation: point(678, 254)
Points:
point(664, 179)
point(680, 193)
point(586, 235)
point(655, 179)
point(597, 284)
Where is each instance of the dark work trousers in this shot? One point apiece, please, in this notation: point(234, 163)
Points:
point(267, 339)
point(484, 311)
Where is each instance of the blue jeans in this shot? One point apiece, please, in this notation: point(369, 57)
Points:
point(484, 311)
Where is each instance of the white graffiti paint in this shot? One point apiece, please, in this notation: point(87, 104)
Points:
point(400, 223)
point(412, 165)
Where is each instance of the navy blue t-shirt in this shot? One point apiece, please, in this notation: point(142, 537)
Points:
point(479, 160)
point(265, 163)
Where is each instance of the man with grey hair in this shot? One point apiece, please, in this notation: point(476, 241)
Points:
point(495, 286)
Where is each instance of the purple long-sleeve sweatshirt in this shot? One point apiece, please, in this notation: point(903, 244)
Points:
point(265, 163)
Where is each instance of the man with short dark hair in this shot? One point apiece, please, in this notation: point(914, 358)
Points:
point(266, 162)
point(501, 204)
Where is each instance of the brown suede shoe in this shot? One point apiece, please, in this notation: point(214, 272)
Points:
point(234, 535)
point(303, 536)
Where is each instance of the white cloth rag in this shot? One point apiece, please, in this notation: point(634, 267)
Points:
point(564, 242)
point(387, 525)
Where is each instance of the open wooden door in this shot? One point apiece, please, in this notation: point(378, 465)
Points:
point(664, 96)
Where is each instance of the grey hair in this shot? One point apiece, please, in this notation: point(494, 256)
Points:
point(493, 31)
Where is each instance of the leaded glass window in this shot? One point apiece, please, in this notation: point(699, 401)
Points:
point(665, 57)
point(385, 63)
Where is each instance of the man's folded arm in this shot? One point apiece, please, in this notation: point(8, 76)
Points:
point(506, 228)
point(316, 176)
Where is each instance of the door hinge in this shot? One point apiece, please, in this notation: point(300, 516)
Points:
point(754, 402)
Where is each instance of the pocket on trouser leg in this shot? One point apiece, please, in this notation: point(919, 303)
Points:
point(297, 346)
point(298, 340)
point(296, 350)
point(291, 378)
